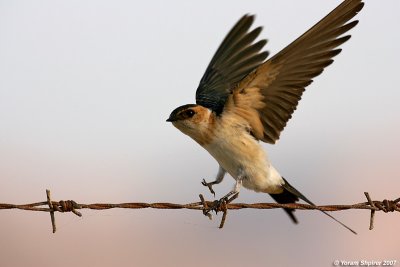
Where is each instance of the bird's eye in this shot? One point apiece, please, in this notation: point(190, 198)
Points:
point(189, 113)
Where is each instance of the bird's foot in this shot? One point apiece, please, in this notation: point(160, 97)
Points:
point(209, 185)
point(220, 205)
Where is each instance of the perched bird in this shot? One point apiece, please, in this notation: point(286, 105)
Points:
point(243, 98)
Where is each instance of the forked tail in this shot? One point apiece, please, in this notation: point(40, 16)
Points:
point(291, 195)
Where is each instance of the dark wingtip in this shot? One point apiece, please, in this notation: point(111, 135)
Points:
point(360, 6)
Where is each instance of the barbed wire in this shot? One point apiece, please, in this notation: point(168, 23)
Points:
point(205, 206)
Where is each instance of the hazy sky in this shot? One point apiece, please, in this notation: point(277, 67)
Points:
point(86, 87)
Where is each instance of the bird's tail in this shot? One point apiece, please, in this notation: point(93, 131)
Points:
point(291, 195)
point(284, 198)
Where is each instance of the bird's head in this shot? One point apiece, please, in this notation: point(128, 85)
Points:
point(195, 121)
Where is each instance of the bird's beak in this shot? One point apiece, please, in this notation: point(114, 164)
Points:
point(172, 118)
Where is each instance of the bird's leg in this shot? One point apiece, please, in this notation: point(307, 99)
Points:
point(218, 179)
point(232, 195)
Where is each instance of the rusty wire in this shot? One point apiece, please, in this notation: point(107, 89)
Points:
point(205, 206)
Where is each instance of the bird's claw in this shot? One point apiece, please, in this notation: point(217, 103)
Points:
point(218, 205)
point(209, 185)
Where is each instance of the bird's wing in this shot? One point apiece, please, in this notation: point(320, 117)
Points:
point(237, 55)
point(268, 96)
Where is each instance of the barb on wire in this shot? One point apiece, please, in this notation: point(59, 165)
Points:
point(205, 206)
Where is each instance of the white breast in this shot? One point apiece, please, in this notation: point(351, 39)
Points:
point(237, 151)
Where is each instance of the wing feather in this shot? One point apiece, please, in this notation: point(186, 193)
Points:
point(234, 59)
point(281, 80)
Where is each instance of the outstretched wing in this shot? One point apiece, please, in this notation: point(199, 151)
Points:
point(268, 96)
point(235, 58)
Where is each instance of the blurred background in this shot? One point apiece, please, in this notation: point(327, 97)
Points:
point(86, 87)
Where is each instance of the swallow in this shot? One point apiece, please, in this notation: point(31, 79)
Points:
point(244, 98)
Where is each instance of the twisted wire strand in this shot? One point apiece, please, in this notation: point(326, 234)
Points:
point(205, 206)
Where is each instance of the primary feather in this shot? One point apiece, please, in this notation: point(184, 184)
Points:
point(267, 94)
